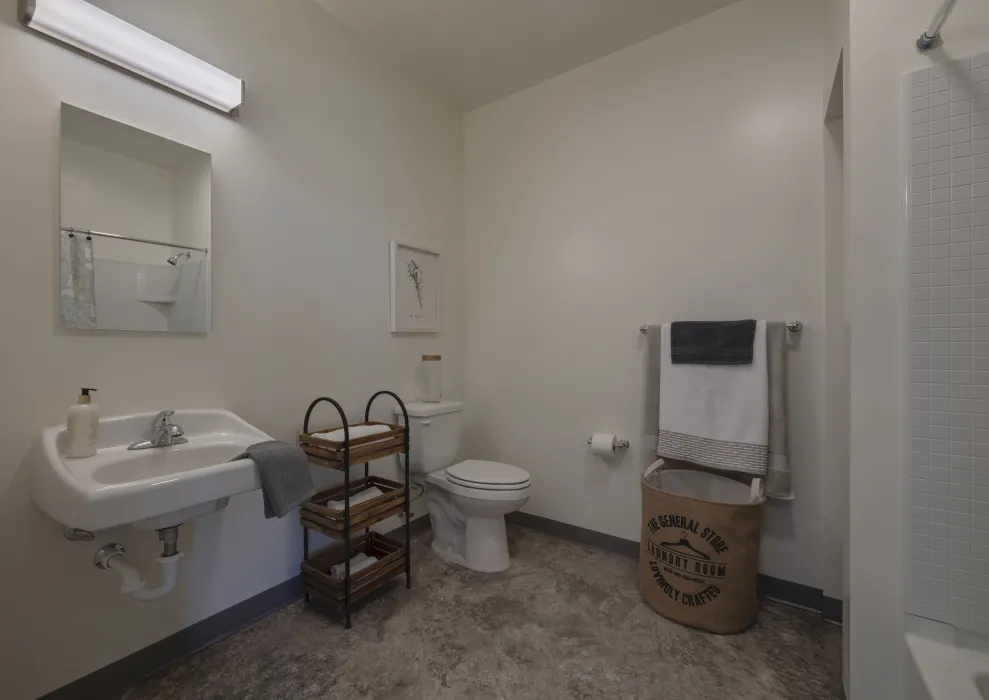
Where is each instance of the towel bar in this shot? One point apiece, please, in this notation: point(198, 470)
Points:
point(792, 326)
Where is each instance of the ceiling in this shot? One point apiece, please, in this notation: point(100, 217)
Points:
point(477, 51)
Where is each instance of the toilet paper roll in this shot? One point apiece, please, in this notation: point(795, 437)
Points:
point(603, 444)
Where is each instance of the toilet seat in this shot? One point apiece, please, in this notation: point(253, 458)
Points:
point(488, 476)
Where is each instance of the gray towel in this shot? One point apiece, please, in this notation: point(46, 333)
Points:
point(712, 342)
point(778, 474)
point(778, 484)
point(285, 477)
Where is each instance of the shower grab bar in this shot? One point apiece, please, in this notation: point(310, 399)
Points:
point(71, 231)
point(792, 326)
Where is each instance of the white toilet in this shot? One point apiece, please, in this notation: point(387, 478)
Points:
point(467, 502)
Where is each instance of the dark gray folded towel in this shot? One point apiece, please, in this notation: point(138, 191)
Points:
point(712, 342)
point(285, 477)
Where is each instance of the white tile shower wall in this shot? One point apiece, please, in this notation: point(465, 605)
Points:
point(138, 297)
point(118, 298)
point(947, 563)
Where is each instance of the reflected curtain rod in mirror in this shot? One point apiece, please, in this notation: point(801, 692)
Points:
point(90, 29)
point(81, 231)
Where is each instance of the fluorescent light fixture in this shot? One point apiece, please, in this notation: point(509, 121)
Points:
point(86, 27)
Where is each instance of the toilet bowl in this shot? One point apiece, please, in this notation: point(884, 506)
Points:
point(467, 502)
point(468, 515)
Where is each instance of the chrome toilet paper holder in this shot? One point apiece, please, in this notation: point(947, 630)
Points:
point(620, 443)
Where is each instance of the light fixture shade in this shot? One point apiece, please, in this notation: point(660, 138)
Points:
point(90, 29)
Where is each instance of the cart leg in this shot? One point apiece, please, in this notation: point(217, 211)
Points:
point(367, 473)
point(346, 532)
point(408, 526)
point(305, 550)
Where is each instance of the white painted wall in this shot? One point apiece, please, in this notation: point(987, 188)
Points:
point(882, 51)
point(681, 178)
point(333, 155)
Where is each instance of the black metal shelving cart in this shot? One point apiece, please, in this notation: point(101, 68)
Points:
point(322, 513)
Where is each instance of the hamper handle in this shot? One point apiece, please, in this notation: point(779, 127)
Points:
point(653, 467)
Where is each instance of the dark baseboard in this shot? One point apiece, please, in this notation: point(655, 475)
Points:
point(114, 679)
point(833, 610)
point(790, 592)
point(768, 586)
point(580, 535)
point(129, 671)
point(800, 595)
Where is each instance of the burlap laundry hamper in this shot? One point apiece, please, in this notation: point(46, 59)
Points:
point(699, 551)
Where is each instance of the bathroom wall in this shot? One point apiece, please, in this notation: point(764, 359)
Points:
point(882, 52)
point(333, 155)
point(679, 178)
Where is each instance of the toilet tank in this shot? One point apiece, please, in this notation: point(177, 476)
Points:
point(434, 434)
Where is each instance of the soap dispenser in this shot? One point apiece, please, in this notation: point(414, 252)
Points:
point(83, 426)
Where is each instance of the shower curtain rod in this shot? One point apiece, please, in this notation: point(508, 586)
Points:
point(932, 37)
point(69, 230)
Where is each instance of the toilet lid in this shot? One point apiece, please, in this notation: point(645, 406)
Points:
point(475, 473)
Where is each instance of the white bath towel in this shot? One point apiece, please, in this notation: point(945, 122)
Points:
point(358, 562)
point(356, 431)
point(357, 498)
point(716, 415)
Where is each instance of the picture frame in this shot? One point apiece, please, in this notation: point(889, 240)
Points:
point(415, 288)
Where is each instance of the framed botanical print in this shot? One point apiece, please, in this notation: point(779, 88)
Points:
point(415, 289)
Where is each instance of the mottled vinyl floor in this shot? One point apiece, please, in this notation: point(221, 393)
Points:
point(565, 622)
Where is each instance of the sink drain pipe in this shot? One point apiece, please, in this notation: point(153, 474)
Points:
point(111, 556)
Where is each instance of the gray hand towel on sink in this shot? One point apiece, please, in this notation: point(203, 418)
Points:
point(285, 477)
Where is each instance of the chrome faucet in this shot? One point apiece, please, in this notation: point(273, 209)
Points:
point(163, 433)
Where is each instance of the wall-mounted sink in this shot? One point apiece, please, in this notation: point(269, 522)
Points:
point(152, 488)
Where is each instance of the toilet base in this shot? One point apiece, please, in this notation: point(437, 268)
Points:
point(470, 531)
point(486, 546)
point(446, 553)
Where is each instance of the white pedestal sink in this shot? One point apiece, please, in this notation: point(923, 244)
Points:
point(153, 488)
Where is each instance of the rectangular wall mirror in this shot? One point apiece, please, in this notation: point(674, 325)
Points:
point(135, 229)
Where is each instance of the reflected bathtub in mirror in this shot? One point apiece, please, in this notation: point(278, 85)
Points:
point(134, 243)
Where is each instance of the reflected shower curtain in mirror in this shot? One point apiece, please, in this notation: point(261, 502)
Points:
point(78, 282)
